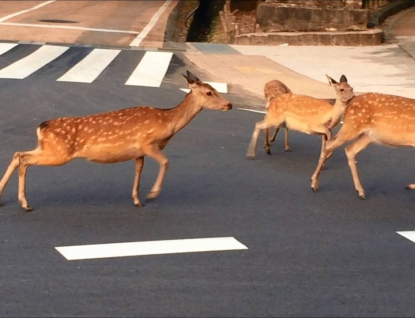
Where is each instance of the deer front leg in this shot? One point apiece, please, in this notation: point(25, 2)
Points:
point(325, 154)
point(351, 152)
point(9, 172)
point(155, 153)
point(267, 140)
point(287, 144)
point(139, 164)
point(22, 186)
point(252, 146)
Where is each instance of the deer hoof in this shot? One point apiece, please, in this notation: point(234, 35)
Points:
point(288, 150)
point(268, 151)
point(27, 209)
point(139, 205)
point(315, 189)
point(252, 157)
point(362, 196)
point(152, 195)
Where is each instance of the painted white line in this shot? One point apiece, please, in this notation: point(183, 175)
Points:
point(31, 63)
point(220, 87)
point(410, 235)
point(151, 69)
point(253, 110)
point(87, 70)
point(4, 47)
point(150, 25)
point(150, 248)
point(27, 10)
point(69, 27)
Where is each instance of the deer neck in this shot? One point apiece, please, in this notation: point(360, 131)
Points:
point(183, 113)
point(338, 111)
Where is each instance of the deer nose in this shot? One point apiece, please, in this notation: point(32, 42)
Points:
point(229, 105)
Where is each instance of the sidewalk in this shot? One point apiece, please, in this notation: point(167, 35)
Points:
point(387, 68)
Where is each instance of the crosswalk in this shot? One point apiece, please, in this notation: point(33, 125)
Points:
point(144, 68)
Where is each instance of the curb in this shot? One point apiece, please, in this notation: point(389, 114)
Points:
point(381, 15)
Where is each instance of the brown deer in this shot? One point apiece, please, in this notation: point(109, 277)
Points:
point(371, 117)
point(121, 135)
point(304, 113)
point(273, 89)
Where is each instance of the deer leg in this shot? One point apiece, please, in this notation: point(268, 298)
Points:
point(328, 149)
point(267, 145)
point(9, 172)
point(39, 158)
point(287, 144)
point(252, 146)
point(274, 135)
point(351, 151)
point(155, 153)
point(139, 163)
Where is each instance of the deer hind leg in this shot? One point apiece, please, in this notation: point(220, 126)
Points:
point(36, 157)
point(9, 172)
point(139, 163)
point(267, 141)
point(261, 125)
point(155, 153)
point(351, 152)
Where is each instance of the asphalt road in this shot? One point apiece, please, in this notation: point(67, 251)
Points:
point(326, 254)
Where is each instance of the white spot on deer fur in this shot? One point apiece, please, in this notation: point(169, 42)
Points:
point(150, 131)
point(147, 122)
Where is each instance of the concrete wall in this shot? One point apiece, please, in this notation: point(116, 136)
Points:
point(278, 17)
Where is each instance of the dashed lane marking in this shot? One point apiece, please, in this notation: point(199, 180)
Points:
point(95, 251)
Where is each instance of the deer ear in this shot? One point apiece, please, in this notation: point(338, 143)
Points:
point(191, 78)
point(331, 81)
point(343, 79)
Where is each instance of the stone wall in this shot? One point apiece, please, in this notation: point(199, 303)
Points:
point(284, 16)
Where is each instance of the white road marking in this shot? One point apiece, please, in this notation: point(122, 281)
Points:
point(69, 27)
point(150, 25)
point(253, 110)
point(33, 62)
point(27, 10)
point(220, 87)
point(4, 47)
point(151, 69)
point(410, 235)
point(87, 70)
point(150, 248)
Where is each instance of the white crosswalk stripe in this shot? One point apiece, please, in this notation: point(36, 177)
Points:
point(5, 47)
point(30, 64)
point(149, 72)
point(88, 69)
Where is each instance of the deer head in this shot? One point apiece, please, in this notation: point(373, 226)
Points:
point(343, 90)
point(205, 94)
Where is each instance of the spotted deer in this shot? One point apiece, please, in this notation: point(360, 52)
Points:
point(121, 135)
point(371, 118)
point(304, 113)
point(273, 89)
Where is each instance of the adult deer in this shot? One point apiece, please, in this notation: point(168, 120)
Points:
point(379, 118)
point(304, 113)
point(121, 135)
point(273, 89)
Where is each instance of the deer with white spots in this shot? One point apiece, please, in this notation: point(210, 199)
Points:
point(121, 135)
point(273, 89)
point(371, 118)
point(304, 113)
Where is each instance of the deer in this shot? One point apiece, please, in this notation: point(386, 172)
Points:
point(305, 113)
point(116, 136)
point(271, 90)
point(371, 118)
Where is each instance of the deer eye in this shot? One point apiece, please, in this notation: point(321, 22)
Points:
point(209, 93)
point(342, 90)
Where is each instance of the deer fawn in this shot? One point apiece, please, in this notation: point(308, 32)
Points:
point(271, 90)
point(383, 119)
point(304, 113)
point(116, 136)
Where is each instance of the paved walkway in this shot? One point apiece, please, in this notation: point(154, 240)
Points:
point(388, 68)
